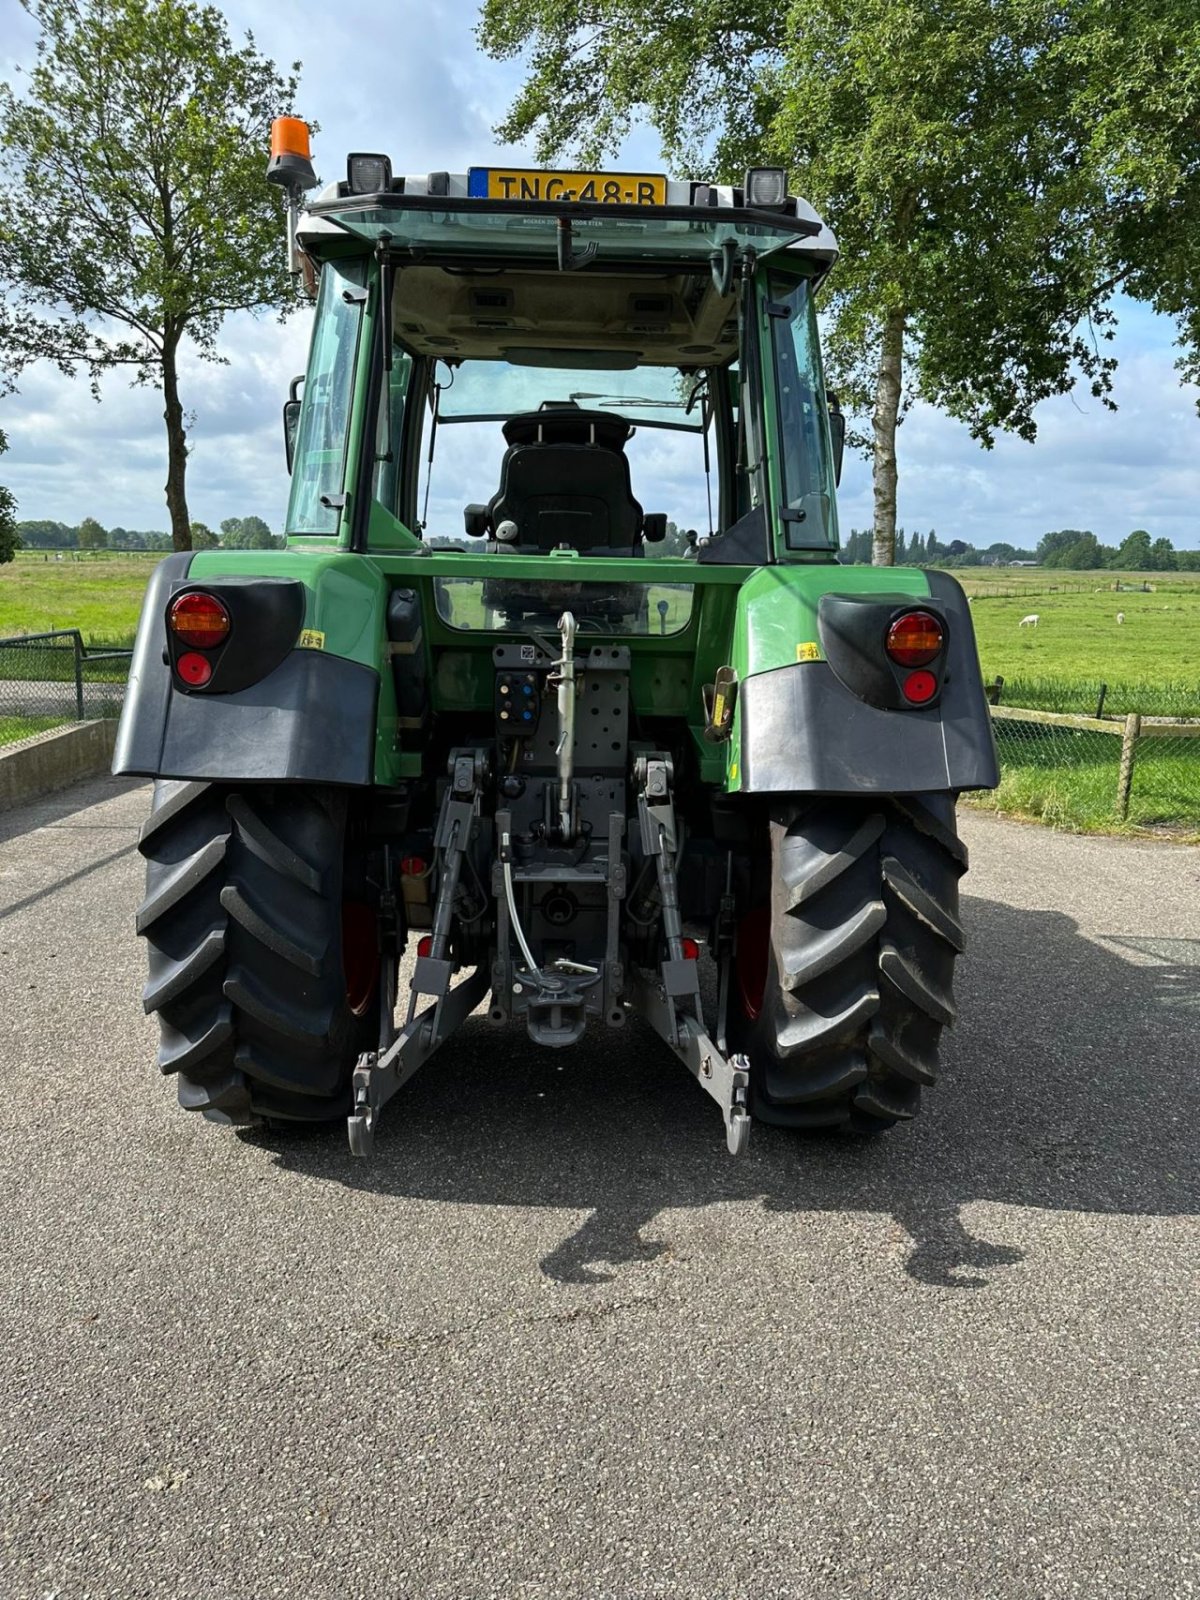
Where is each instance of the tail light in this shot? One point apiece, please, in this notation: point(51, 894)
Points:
point(424, 946)
point(198, 620)
point(914, 640)
point(691, 950)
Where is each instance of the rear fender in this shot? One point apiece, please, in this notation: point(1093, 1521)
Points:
point(802, 727)
point(274, 711)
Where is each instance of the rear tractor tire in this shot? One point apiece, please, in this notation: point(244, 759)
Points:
point(262, 947)
point(844, 981)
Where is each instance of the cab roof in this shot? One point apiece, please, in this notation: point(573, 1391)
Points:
point(444, 212)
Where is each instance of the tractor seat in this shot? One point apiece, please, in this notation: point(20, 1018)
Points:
point(564, 480)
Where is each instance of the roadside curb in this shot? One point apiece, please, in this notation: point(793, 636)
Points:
point(55, 760)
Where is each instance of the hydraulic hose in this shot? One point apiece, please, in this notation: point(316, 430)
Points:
point(510, 897)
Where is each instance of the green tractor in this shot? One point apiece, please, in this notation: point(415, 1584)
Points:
point(563, 744)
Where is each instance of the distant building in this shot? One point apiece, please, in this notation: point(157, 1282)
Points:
point(1024, 563)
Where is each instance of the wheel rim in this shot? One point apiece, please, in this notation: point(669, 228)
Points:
point(360, 955)
point(750, 966)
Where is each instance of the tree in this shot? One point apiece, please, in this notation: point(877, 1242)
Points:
point(1162, 556)
point(47, 535)
point(133, 210)
point(247, 533)
point(1134, 554)
point(203, 538)
point(257, 535)
point(1083, 555)
point(10, 534)
point(986, 164)
point(91, 535)
point(1052, 545)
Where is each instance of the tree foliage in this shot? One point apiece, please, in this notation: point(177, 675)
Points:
point(247, 533)
point(995, 170)
point(91, 535)
point(133, 209)
point(10, 538)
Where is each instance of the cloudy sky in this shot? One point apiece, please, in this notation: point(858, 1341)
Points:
point(408, 79)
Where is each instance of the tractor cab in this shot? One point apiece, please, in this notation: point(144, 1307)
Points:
point(610, 367)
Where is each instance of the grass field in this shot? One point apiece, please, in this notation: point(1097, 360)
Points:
point(100, 595)
point(1078, 637)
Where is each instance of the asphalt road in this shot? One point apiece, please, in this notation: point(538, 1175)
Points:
point(554, 1342)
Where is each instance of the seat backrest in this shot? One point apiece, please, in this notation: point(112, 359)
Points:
point(573, 494)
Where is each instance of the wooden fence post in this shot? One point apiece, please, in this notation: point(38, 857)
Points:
point(1133, 728)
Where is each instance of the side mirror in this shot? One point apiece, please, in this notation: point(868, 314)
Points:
point(291, 424)
point(291, 419)
point(837, 435)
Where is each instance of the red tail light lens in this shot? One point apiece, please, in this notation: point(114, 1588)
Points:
point(424, 945)
point(914, 639)
point(199, 620)
point(691, 950)
point(920, 687)
point(194, 669)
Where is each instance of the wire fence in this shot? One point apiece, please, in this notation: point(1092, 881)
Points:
point(1095, 756)
point(47, 679)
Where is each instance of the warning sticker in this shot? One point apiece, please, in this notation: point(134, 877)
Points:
point(808, 652)
point(310, 639)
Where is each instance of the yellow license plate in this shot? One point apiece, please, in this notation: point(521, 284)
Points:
point(601, 188)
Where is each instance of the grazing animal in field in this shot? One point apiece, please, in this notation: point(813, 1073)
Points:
point(1031, 621)
point(1120, 616)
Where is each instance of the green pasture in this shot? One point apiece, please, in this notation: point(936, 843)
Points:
point(101, 595)
point(1078, 638)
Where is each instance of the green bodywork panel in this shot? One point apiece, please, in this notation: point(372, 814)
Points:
point(753, 619)
point(777, 609)
point(776, 622)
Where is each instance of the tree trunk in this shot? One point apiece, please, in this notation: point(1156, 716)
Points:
point(883, 424)
point(181, 527)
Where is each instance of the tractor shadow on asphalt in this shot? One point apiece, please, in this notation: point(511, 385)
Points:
point(1069, 1085)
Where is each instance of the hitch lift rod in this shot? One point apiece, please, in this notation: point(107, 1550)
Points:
point(726, 1079)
